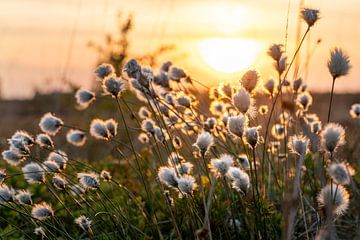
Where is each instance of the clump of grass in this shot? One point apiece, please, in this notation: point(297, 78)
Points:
point(188, 170)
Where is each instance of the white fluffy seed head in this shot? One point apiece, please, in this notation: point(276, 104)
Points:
point(270, 86)
point(111, 126)
point(33, 173)
point(105, 175)
point(44, 140)
point(113, 86)
point(51, 166)
point(19, 146)
point(249, 80)
point(244, 161)
point(39, 231)
point(240, 179)
point(76, 137)
point(184, 168)
point(221, 165)
point(355, 110)
point(24, 137)
point(298, 144)
point(144, 138)
point(148, 125)
point(275, 51)
point(89, 180)
point(84, 98)
point(59, 157)
point(6, 194)
point(204, 142)
point(304, 101)
point(339, 63)
point(3, 175)
point(104, 70)
point(332, 137)
point(177, 142)
point(168, 176)
point(42, 211)
point(243, 101)
point(281, 65)
point(310, 16)
point(84, 223)
point(99, 130)
point(335, 197)
point(186, 185)
point(252, 136)
point(160, 134)
point(23, 197)
point(144, 113)
point(176, 73)
point(59, 182)
point(278, 131)
point(237, 125)
point(12, 157)
point(339, 173)
point(50, 124)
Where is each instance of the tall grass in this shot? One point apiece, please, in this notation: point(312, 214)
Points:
point(242, 165)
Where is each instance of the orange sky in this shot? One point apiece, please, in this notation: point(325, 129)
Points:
point(210, 36)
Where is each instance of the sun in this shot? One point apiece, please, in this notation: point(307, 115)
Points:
point(229, 55)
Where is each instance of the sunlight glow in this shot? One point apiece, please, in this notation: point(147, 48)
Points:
point(229, 55)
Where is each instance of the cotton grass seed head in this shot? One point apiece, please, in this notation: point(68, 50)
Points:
point(39, 231)
point(355, 110)
point(270, 86)
point(12, 157)
point(84, 223)
point(332, 137)
point(252, 136)
point(3, 175)
point(243, 101)
point(104, 70)
point(89, 180)
point(148, 125)
point(177, 143)
point(23, 197)
point(50, 124)
point(339, 63)
point(59, 157)
point(168, 176)
point(19, 146)
point(84, 98)
point(105, 175)
point(33, 173)
point(44, 140)
point(237, 125)
point(24, 137)
point(298, 144)
point(59, 182)
point(204, 142)
point(6, 194)
point(275, 51)
point(76, 137)
point(176, 73)
point(184, 168)
point(278, 131)
point(310, 16)
point(99, 130)
point(113, 86)
point(221, 166)
point(335, 197)
point(249, 80)
point(111, 126)
point(339, 173)
point(144, 113)
point(51, 166)
point(42, 211)
point(143, 138)
point(133, 69)
point(240, 179)
point(186, 185)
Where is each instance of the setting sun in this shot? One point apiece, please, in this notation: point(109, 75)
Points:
point(229, 55)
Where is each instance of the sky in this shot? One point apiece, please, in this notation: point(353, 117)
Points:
point(216, 41)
